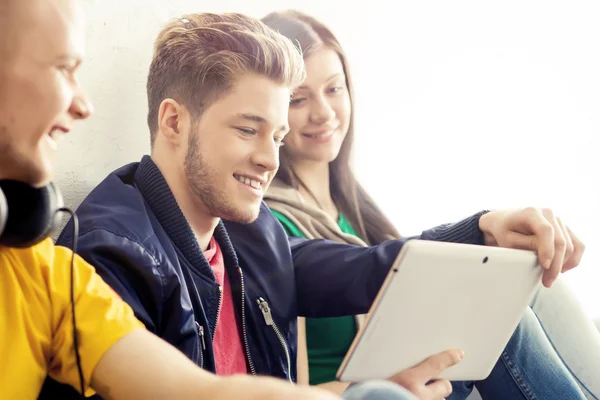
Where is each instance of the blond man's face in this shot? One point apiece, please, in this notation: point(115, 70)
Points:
point(40, 97)
point(233, 150)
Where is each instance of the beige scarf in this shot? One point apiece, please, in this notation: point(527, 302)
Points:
point(313, 222)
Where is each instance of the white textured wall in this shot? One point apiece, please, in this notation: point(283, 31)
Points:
point(119, 49)
point(460, 105)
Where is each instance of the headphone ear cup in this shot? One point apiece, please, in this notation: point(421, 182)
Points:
point(55, 203)
point(32, 213)
point(3, 212)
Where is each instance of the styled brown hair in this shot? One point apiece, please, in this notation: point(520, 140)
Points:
point(197, 58)
point(353, 201)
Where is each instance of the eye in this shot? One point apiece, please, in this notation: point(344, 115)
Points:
point(65, 69)
point(246, 131)
point(297, 101)
point(69, 66)
point(336, 89)
point(69, 72)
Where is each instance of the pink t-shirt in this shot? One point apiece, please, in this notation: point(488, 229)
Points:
point(230, 357)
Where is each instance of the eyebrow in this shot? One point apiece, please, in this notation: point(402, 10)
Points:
point(261, 120)
point(327, 80)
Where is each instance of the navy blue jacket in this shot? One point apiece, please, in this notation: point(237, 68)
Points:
point(135, 235)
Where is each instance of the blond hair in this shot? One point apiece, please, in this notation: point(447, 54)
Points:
point(197, 58)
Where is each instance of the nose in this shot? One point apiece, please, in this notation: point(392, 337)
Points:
point(321, 111)
point(81, 107)
point(266, 155)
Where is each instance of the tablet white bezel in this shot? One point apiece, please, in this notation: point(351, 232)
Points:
point(445, 277)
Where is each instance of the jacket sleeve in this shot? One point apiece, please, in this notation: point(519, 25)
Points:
point(128, 269)
point(335, 279)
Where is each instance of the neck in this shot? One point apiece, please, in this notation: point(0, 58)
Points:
point(315, 177)
point(201, 222)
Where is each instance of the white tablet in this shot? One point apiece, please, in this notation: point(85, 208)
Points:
point(441, 296)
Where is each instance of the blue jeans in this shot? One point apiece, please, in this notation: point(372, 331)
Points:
point(572, 334)
point(528, 369)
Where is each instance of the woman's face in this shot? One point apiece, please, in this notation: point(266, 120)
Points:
point(320, 110)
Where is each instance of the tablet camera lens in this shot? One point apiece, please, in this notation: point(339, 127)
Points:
point(485, 260)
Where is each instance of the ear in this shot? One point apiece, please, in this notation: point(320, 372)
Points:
point(173, 121)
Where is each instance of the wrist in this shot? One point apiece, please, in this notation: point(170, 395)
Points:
point(485, 226)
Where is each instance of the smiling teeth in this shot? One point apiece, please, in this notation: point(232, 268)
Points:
point(249, 182)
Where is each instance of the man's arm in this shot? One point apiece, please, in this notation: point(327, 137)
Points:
point(142, 366)
point(327, 271)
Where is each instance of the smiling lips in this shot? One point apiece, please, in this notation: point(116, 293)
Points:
point(253, 182)
point(320, 136)
point(55, 133)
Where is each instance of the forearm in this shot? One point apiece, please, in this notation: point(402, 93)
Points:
point(354, 273)
point(327, 272)
point(142, 366)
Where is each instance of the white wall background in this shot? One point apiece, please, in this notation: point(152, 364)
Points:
point(461, 105)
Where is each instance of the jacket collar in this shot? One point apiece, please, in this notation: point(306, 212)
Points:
point(157, 194)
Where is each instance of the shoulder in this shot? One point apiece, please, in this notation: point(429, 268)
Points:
point(114, 217)
point(28, 266)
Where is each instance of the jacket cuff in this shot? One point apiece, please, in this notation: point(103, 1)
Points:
point(466, 231)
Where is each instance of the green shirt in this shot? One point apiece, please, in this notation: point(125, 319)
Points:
point(327, 339)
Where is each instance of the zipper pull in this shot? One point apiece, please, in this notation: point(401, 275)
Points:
point(201, 333)
point(264, 307)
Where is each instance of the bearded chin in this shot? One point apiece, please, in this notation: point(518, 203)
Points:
point(232, 214)
point(208, 190)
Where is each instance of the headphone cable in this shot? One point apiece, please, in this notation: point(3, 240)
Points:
point(74, 251)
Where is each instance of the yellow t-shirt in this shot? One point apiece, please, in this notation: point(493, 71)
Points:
point(36, 326)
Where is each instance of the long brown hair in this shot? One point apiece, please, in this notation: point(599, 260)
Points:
point(353, 201)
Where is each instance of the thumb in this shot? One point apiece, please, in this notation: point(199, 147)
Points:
point(434, 365)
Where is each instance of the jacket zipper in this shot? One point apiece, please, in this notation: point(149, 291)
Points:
point(218, 310)
point(201, 328)
point(250, 363)
point(203, 349)
point(266, 311)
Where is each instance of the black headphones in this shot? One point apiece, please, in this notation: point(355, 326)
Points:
point(28, 215)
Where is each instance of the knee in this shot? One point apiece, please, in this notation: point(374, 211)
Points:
point(528, 324)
